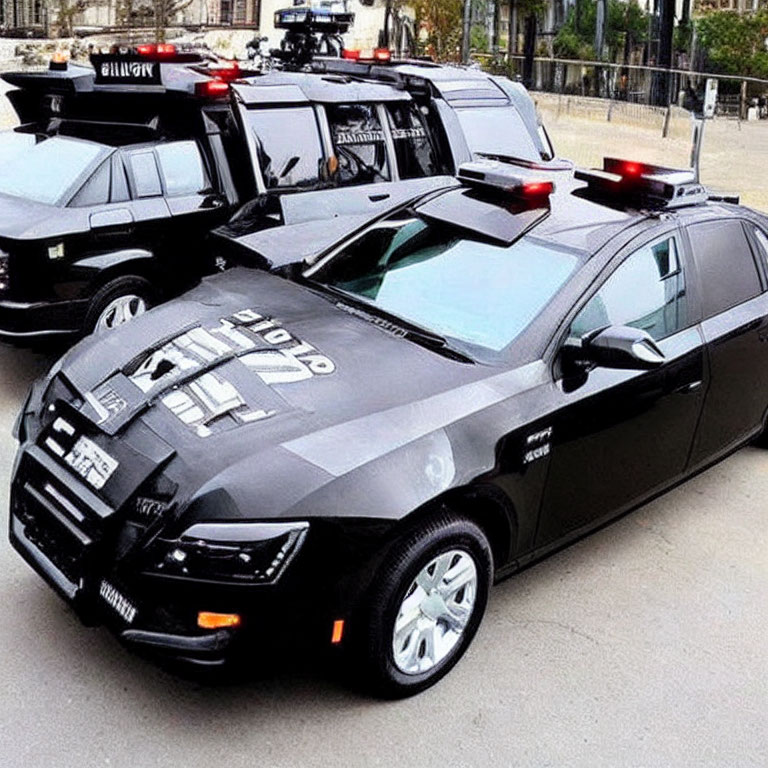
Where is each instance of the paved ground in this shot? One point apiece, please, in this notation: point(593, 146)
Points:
point(643, 645)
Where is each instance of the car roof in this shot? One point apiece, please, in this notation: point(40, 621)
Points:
point(310, 87)
point(566, 220)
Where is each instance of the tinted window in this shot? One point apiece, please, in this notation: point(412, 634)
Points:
point(358, 140)
point(497, 131)
point(646, 291)
point(182, 168)
point(119, 181)
point(47, 172)
point(728, 270)
point(95, 191)
point(288, 146)
point(146, 180)
point(762, 244)
point(435, 276)
point(413, 150)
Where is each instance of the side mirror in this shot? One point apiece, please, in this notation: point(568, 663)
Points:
point(618, 346)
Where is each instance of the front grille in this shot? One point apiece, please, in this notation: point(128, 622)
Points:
point(57, 518)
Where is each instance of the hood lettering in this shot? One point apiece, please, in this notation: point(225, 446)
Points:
point(208, 403)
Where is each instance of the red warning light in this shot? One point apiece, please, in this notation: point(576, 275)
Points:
point(211, 89)
point(537, 188)
point(632, 169)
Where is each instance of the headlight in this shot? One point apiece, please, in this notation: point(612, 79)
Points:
point(244, 553)
point(4, 274)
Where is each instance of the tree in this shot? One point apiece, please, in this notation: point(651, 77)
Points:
point(441, 20)
point(626, 25)
point(66, 11)
point(733, 43)
point(165, 12)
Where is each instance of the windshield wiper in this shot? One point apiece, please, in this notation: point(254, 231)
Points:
point(552, 164)
point(393, 324)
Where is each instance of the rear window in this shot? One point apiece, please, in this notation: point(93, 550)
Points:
point(497, 131)
point(288, 146)
point(358, 140)
point(50, 171)
point(728, 271)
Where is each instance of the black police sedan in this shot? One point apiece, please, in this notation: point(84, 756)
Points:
point(443, 396)
point(118, 171)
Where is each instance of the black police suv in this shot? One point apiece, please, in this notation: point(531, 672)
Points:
point(467, 113)
point(118, 172)
point(447, 393)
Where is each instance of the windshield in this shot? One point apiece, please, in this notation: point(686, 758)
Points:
point(497, 131)
point(436, 277)
point(48, 171)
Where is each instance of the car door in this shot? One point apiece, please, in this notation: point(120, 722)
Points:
point(621, 435)
point(195, 207)
point(111, 224)
point(735, 328)
point(147, 205)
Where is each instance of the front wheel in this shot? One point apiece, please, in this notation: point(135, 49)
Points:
point(426, 606)
point(118, 302)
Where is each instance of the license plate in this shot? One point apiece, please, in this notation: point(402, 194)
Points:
point(118, 602)
point(91, 462)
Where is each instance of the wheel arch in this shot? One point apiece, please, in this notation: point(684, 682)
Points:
point(483, 504)
point(105, 267)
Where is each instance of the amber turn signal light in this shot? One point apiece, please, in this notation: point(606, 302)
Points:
point(338, 631)
point(208, 620)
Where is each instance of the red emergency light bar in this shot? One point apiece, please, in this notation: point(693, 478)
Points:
point(379, 55)
point(159, 50)
point(495, 176)
point(224, 70)
point(212, 89)
point(643, 184)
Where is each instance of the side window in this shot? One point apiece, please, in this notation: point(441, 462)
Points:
point(95, 191)
point(762, 244)
point(728, 271)
point(288, 146)
point(146, 179)
point(413, 149)
point(358, 140)
point(182, 167)
point(646, 291)
point(120, 191)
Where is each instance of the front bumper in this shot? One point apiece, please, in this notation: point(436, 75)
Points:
point(23, 320)
point(62, 529)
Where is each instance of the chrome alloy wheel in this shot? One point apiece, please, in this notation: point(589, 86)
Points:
point(120, 311)
point(435, 611)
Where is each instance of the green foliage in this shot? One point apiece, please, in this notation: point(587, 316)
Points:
point(577, 41)
point(735, 43)
point(441, 20)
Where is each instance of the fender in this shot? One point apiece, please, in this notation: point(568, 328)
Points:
point(104, 261)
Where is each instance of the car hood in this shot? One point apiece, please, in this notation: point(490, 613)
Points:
point(239, 371)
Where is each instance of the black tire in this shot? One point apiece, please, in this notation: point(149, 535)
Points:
point(407, 557)
point(129, 285)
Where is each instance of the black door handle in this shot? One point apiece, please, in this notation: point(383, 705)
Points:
point(378, 198)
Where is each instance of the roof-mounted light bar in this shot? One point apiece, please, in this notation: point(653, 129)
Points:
point(644, 184)
point(368, 56)
point(498, 177)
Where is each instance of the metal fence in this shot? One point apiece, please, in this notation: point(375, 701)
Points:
point(637, 84)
